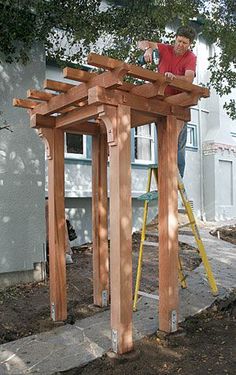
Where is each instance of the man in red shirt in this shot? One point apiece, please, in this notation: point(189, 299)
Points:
point(176, 61)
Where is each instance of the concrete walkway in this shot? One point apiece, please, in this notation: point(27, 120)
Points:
point(72, 346)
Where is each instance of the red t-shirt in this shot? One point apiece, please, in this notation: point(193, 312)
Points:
point(170, 62)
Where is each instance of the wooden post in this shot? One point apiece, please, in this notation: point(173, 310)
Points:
point(99, 215)
point(168, 224)
point(120, 229)
point(56, 221)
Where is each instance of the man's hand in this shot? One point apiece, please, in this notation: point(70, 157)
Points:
point(143, 44)
point(169, 75)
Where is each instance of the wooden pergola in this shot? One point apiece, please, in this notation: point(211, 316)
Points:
point(106, 107)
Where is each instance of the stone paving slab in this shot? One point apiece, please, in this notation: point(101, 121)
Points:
point(72, 346)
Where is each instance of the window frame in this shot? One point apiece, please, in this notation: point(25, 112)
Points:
point(194, 127)
point(152, 140)
point(72, 155)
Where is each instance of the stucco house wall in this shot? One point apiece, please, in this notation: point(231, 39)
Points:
point(22, 177)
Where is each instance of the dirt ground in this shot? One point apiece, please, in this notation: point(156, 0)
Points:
point(226, 233)
point(205, 346)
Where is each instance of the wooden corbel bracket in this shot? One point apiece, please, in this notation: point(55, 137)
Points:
point(46, 136)
point(109, 118)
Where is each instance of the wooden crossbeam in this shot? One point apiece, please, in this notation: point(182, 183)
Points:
point(139, 119)
point(39, 95)
point(183, 99)
point(85, 128)
point(77, 74)
point(78, 93)
point(100, 95)
point(39, 121)
point(24, 103)
point(77, 116)
point(148, 75)
point(50, 84)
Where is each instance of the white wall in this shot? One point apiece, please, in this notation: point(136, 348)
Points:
point(22, 176)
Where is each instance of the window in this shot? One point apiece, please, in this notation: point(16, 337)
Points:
point(75, 146)
point(192, 136)
point(144, 144)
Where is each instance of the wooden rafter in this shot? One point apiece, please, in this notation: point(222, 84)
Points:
point(139, 72)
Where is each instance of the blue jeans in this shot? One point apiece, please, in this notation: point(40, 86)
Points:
point(181, 149)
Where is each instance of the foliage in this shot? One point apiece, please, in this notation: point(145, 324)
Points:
point(118, 25)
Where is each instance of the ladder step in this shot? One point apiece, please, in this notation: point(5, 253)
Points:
point(149, 243)
point(148, 295)
point(149, 196)
point(186, 233)
point(154, 234)
point(182, 211)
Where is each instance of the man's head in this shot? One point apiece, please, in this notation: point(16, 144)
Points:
point(185, 35)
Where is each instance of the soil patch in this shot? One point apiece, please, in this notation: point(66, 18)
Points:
point(205, 344)
point(226, 233)
point(24, 308)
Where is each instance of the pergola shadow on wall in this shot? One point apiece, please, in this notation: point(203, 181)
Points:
point(106, 107)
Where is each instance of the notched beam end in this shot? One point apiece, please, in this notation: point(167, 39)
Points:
point(77, 74)
point(24, 103)
point(96, 95)
point(38, 121)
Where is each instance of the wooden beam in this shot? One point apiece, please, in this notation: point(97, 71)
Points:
point(98, 95)
point(183, 99)
point(120, 230)
point(78, 115)
point(168, 224)
point(57, 86)
point(56, 208)
point(25, 103)
point(99, 215)
point(77, 93)
point(145, 74)
point(139, 119)
point(148, 90)
point(84, 128)
point(78, 74)
point(39, 95)
point(38, 121)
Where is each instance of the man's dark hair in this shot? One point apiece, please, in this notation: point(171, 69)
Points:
point(187, 32)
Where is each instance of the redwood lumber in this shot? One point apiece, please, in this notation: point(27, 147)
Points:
point(183, 99)
point(78, 115)
point(168, 224)
point(39, 121)
point(139, 119)
point(100, 95)
point(56, 209)
point(24, 103)
point(78, 93)
point(120, 230)
point(39, 95)
point(148, 75)
point(57, 86)
point(99, 218)
point(78, 74)
point(85, 128)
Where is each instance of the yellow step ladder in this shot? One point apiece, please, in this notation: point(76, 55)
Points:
point(153, 195)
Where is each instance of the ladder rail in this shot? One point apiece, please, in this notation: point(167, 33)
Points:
point(200, 245)
point(192, 224)
point(143, 236)
point(143, 242)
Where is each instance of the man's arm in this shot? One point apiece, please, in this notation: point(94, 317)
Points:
point(147, 46)
point(189, 76)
